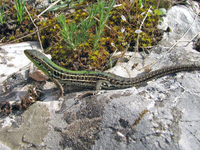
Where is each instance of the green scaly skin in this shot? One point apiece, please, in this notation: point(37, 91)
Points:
point(95, 79)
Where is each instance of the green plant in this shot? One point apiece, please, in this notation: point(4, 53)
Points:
point(72, 33)
point(103, 17)
point(75, 35)
point(119, 30)
point(2, 20)
point(140, 3)
point(67, 31)
point(20, 7)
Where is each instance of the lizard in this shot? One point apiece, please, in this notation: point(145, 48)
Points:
point(96, 79)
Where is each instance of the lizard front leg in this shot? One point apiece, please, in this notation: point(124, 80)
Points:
point(102, 83)
point(59, 86)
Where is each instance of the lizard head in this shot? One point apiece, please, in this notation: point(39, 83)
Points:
point(37, 58)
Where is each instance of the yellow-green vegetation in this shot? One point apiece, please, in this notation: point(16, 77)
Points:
point(17, 22)
point(83, 47)
point(84, 55)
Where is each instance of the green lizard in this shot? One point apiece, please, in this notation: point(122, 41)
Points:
point(95, 79)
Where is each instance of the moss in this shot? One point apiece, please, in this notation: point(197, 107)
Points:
point(13, 29)
point(69, 58)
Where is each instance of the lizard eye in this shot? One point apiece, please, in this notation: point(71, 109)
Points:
point(104, 84)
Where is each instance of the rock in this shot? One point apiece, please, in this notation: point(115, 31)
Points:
point(13, 59)
point(27, 130)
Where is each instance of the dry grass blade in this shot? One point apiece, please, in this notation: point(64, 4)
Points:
point(122, 54)
point(48, 8)
point(22, 37)
point(38, 34)
point(2, 39)
point(98, 20)
point(171, 48)
point(137, 42)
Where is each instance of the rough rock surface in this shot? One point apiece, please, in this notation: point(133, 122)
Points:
point(164, 114)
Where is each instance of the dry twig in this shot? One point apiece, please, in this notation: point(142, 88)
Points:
point(48, 8)
point(23, 36)
point(137, 42)
point(38, 34)
point(171, 48)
